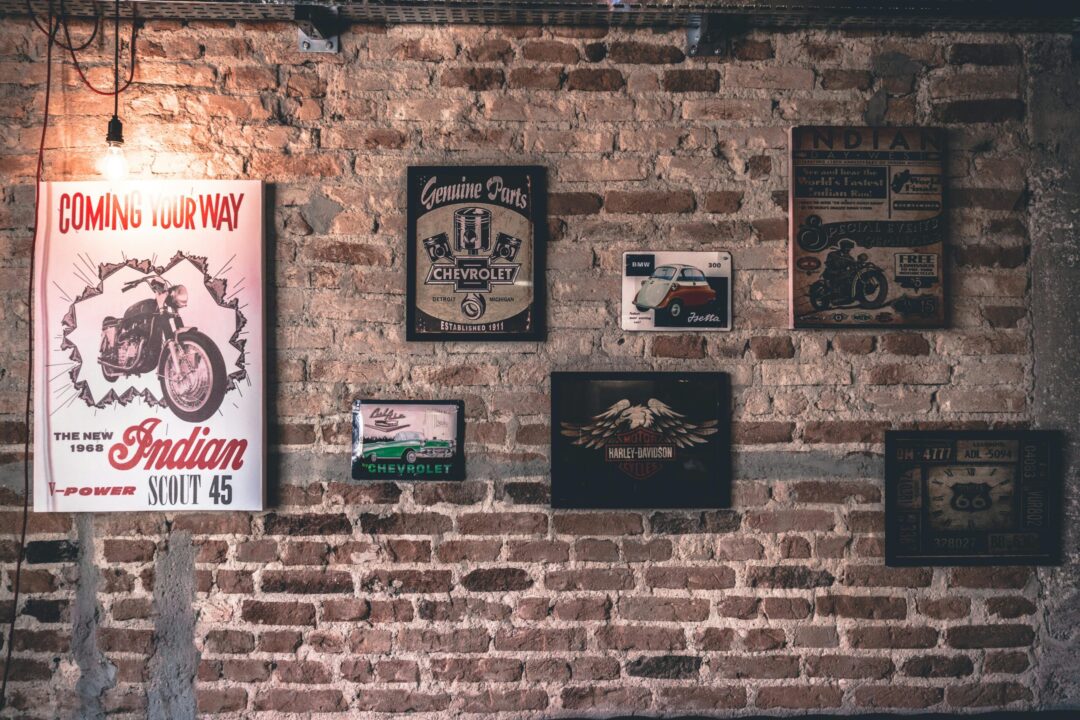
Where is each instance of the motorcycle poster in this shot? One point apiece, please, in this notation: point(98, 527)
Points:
point(408, 440)
point(867, 227)
point(476, 237)
point(676, 291)
point(148, 346)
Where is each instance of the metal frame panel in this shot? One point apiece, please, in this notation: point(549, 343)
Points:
point(970, 15)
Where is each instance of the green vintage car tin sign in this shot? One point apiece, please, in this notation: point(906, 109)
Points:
point(408, 440)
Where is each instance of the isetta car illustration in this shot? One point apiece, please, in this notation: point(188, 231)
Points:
point(674, 288)
point(408, 445)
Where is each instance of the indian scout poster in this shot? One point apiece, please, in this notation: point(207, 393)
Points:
point(676, 291)
point(867, 227)
point(640, 440)
point(475, 244)
point(148, 346)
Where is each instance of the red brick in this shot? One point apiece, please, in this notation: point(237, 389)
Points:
point(680, 81)
point(640, 637)
point(678, 346)
point(897, 696)
point(598, 524)
point(713, 577)
point(278, 613)
point(798, 697)
point(842, 667)
point(595, 80)
point(883, 636)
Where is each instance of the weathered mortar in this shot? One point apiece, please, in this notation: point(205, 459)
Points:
point(443, 599)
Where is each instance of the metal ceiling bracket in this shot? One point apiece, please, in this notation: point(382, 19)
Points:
point(319, 28)
point(713, 36)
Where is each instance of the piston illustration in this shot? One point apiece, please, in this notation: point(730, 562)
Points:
point(472, 230)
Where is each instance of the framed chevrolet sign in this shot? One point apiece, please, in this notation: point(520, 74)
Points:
point(476, 237)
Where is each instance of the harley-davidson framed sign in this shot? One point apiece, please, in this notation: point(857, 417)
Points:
point(476, 239)
point(148, 346)
point(867, 227)
point(676, 291)
point(408, 440)
point(972, 498)
point(640, 440)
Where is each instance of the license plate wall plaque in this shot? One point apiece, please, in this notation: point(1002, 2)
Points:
point(640, 440)
point(867, 227)
point(676, 291)
point(972, 498)
point(476, 238)
point(408, 440)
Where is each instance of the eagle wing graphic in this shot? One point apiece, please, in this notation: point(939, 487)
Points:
point(655, 415)
point(595, 434)
point(676, 428)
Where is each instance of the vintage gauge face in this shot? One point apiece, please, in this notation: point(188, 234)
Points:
point(971, 497)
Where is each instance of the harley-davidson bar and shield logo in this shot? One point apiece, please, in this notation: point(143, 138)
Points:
point(474, 235)
point(639, 453)
point(640, 440)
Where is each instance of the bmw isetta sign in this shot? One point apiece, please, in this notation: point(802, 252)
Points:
point(148, 346)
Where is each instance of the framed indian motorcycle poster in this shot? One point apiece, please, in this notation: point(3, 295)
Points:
point(476, 239)
point(408, 440)
point(148, 346)
point(640, 440)
point(972, 498)
point(867, 227)
point(676, 291)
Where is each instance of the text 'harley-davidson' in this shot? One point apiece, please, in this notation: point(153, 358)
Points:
point(152, 337)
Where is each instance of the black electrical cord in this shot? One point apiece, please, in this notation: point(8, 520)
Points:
point(50, 39)
point(63, 16)
point(116, 59)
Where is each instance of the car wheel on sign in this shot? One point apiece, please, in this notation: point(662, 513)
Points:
point(410, 457)
point(675, 309)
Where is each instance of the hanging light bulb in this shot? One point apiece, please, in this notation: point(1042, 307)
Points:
point(113, 164)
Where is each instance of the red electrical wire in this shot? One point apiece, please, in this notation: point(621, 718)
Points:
point(51, 37)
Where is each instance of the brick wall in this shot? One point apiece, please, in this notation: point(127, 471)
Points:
point(476, 597)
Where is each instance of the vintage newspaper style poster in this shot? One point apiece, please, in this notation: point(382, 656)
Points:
point(676, 291)
point(148, 340)
point(867, 227)
point(476, 237)
point(408, 440)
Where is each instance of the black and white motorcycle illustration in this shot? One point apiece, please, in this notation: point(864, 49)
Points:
point(151, 337)
point(849, 281)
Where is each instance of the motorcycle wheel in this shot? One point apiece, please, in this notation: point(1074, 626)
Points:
point(204, 401)
point(819, 296)
point(871, 287)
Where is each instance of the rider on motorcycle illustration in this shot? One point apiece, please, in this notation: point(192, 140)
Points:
point(848, 281)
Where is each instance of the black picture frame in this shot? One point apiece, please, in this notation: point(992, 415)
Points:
point(389, 469)
point(972, 497)
point(530, 323)
point(646, 468)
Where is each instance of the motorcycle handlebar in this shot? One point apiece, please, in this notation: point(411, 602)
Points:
point(135, 283)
